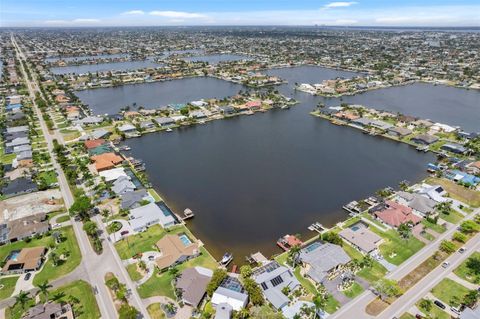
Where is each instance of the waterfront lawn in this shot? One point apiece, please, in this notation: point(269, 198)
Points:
point(145, 241)
point(369, 274)
point(133, 272)
point(87, 307)
point(435, 312)
point(450, 292)
point(68, 246)
point(396, 249)
point(155, 311)
point(154, 194)
point(160, 284)
point(353, 291)
point(8, 286)
point(466, 273)
point(458, 192)
point(282, 258)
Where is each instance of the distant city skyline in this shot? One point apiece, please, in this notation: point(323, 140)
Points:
point(57, 13)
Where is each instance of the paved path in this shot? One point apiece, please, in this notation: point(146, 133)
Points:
point(462, 281)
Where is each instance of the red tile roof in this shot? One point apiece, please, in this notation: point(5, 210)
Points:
point(396, 214)
point(94, 143)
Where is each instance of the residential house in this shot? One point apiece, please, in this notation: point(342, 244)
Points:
point(223, 311)
point(99, 133)
point(273, 278)
point(22, 185)
point(230, 292)
point(399, 131)
point(145, 216)
point(89, 144)
point(25, 227)
point(146, 125)
point(130, 200)
point(113, 174)
point(434, 192)
point(164, 121)
point(421, 205)
point(323, 261)
point(473, 168)
point(424, 139)
point(50, 310)
point(123, 185)
point(360, 237)
point(395, 214)
point(175, 249)
point(106, 161)
point(454, 148)
point(25, 260)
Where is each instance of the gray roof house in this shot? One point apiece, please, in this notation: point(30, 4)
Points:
point(145, 216)
point(15, 129)
point(123, 185)
point(90, 120)
point(381, 124)
point(399, 131)
point(18, 141)
point(19, 186)
point(127, 128)
point(424, 139)
point(99, 133)
point(230, 292)
point(322, 261)
point(422, 205)
point(147, 124)
point(131, 199)
point(193, 284)
point(360, 237)
point(164, 121)
point(272, 278)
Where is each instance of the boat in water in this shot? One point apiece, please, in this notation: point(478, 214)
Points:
point(169, 130)
point(226, 259)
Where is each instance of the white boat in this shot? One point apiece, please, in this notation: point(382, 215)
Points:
point(169, 130)
point(226, 259)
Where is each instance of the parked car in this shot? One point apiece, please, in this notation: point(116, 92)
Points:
point(462, 250)
point(445, 264)
point(27, 276)
point(418, 316)
point(123, 233)
point(439, 304)
point(56, 225)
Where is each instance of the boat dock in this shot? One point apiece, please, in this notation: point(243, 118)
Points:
point(257, 259)
point(187, 214)
point(288, 241)
point(317, 227)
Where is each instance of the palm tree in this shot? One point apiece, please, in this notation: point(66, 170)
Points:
point(293, 255)
point(58, 296)
point(320, 303)
point(22, 298)
point(43, 288)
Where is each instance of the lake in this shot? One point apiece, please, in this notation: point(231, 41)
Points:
point(216, 58)
point(251, 179)
point(153, 95)
point(103, 67)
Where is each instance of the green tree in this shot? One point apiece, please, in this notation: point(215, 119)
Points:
point(471, 298)
point(254, 291)
point(218, 276)
point(404, 230)
point(293, 254)
point(22, 298)
point(43, 288)
point(468, 227)
point(332, 238)
point(320, 302)
point(444, 208)
point(426, 304)
point(81, 207)
point(127, 312)
point(246, 271)
point(387, 288)
point(91, 228)
point(447, 246)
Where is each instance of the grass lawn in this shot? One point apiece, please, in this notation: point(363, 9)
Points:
point(160, 284)
point(7, 158)
point(133, 272)
point(406, 315)
point(49, 177)
point(332, 305)
point(145, 241)
point(370, 274)
point(50, 272)
point(307, 284)
point(421, 271)
point(63, 219)
point(396, 249)
point(468, 196)
point(16, 312)
point(282, 258)
point(450, 292)
point(155, 311)
point(8, 286)
point(435, 227)
point(466, 273)
point(353, 291)
point(454, 217)
point(87, 307)
point(154, 194)
point(435, 312)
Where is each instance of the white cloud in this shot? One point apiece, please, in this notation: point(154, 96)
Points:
point(134, 12)
point(83, 20)
point(340, 4)
point(177, 14)
point(56, 22)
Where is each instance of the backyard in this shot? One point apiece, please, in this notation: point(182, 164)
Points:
point(466, 273)
point(450, 292)
point(7, 285)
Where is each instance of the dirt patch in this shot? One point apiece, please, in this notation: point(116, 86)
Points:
point(29, 204)
point(421, 271)
point(376, 307)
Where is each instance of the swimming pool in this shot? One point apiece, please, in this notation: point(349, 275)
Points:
point(185, 240)
point(14, 255)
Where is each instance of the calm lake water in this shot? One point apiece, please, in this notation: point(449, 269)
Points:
point(101, 67)
point(154, 95)
point(87, 57)
point(216, 58)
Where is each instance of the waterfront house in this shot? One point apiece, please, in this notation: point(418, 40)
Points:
point(106, 161)
point(89, 144)
point(128, 129)
point(399, 131)
point(230, 292)
point(434, 192)
point(132, 199)
point(381, 125)
point(394, 214)
point(90, 120)
point(463, 177)
point(362, 122)
point(193, 283)
point(146, 125)
point(424, 139)
point(198, 114)
point(164, 121)
point(113, 174)
point(99, 133)
point(123, 185)
point(360, 237)
point(273, 278)
point(145, 216)
point(421, 205)
point(454, 148)
point(50, 310)
point(175, 249)
point(227, 110)
point(323, 261)
point(25, 260)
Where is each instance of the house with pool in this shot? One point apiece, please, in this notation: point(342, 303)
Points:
point(24, 260)
point(141, 218)
point(175, 249)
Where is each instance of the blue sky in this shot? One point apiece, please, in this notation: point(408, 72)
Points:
point(235, 12)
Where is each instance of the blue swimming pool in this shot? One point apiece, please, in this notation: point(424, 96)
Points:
point(13, 255)
point(185, 240)
point(313, 246)
point(354, 228)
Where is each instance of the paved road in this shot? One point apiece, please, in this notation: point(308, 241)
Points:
point(407, 300)
point(95, 266)
point(356, 307)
